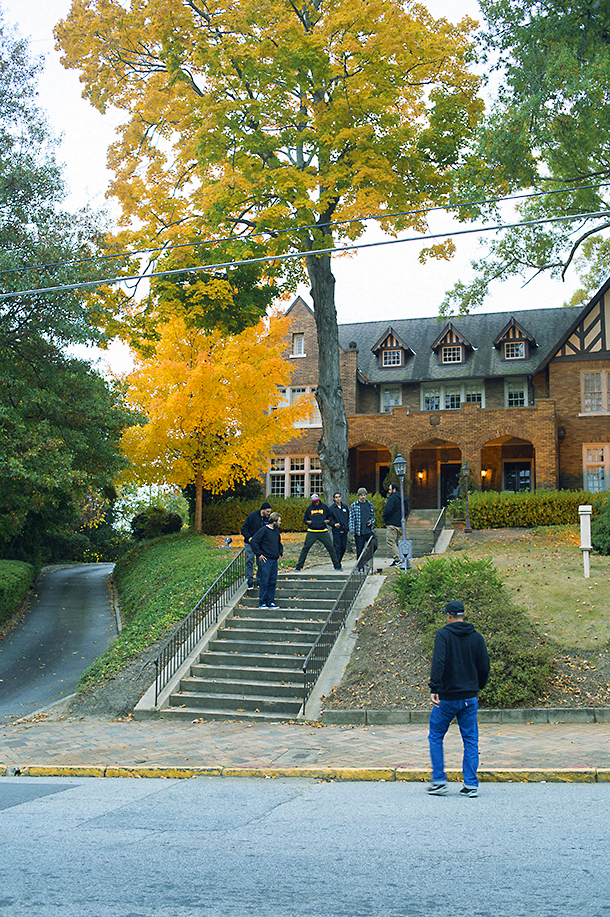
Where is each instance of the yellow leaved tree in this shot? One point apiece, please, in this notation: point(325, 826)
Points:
point(214, 406)
point(277, 124)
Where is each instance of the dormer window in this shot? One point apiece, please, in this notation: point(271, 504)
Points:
point(391, 351)
point(391, 357)
point(451, 346)
point(514, 350)
point(514, 341)
point(452, 353)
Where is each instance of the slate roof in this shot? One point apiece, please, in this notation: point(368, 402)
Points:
point(546, 326)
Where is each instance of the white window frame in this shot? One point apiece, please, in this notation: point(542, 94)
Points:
point(291, 395)
point(510, 386)
point(604, 375)
point(290, 467)
point(518, 346)
point(602, 464)
point(390, 397)
point(392, 357)
point(298, 345)
point(443, 390)
point(451, 351)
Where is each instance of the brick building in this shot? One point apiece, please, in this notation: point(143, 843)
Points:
point(523, 396)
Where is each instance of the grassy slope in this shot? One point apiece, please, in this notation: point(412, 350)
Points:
point(158, 583)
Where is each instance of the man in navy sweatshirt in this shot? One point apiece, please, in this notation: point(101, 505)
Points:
point(267, 545)
point(460, 669)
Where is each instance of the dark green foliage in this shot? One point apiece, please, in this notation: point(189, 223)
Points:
point(15, 580)
point(494, 509)
point(600, 530)
point(520, 662)
point(158, 584)
point(153, 522)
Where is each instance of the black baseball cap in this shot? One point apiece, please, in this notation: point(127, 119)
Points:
point(454, 608)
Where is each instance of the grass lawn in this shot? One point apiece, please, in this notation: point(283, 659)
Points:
point(543, 571)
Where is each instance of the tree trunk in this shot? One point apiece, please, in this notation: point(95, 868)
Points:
point(198, 501)
point(332, 447)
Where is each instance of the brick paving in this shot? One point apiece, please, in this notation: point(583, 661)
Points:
point(93, 742)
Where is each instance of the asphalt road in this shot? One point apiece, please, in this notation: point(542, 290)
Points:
point(209, 847)
point(69, 623)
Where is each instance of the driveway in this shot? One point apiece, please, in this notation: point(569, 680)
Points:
point(69, 623)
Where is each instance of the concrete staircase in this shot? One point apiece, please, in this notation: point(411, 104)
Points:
point(252, 669)
point(420, 525)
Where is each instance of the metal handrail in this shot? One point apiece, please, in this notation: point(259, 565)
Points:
point(335, 621)
point(439, 525)
point(205, 614)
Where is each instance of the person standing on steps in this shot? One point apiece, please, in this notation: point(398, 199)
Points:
point(338, 514)
point(267, 545)
point(460, 669)
point(315, 518)
point(392, 516)
point(361, 520)
point(255, 521)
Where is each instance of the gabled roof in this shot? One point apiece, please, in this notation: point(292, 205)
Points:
point(579, 317)
point(480, 330)
point(391, 331)
point(513, 323)
point(299, 302)
point(450, 329)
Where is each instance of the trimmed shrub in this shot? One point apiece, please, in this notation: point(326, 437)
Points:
point(520, 662)
point(16, 578)
point(227, 518)
point(600, 530)
point(153, 522)
point(494, 509)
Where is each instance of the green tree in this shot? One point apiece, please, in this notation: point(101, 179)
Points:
point(60, 422)
point(547, 130)
point(278, 124)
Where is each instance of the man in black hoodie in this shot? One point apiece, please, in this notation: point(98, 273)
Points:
point(255, 521)
point(460, 669)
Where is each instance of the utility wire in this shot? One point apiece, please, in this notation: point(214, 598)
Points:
point(290, 256)
point(460, 205)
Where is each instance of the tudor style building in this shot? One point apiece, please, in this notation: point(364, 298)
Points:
point(523, 396)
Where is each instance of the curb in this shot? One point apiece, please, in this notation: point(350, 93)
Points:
point(378, 774)
point(487, 715)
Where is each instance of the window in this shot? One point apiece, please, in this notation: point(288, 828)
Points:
point(453, 397)
point(277, 485)
point(514, 350)
point(297, 464)
point(391, 397)
point(315, 483)
point(450, 396)
point(292, 395)
point(391, 358)
point(515, 393)
point(517, 476)
point(293, 476)
point(594, 392)
point(314, 463)
point(298, 345)
point(451, 353)
point(297, 485)
point(278, 464)
point(596, 466)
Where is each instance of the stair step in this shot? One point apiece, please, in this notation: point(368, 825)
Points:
point(250, 660)
point(236, 703)
point(184, 712)
point(264, 625)
point(239, 687)
point(262, 648)
point(241, 673)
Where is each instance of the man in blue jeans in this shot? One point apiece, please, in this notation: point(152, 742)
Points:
point(460, 669)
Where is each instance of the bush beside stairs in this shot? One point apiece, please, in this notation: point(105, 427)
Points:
point(252, 670)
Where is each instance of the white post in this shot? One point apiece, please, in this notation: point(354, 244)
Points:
point(585, 537)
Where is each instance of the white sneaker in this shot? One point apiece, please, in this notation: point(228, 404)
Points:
point(437, 789)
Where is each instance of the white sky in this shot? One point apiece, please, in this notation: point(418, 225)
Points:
point(381, 283)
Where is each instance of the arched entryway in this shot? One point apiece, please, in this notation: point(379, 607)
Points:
point(435, 473)
point(369, 464)
point(508, 463)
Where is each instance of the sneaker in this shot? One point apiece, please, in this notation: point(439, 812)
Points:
point(395, 563)
point(298, 568)
point(339, 569)
point(437, 789)
point(469, 791)
point(263, 606)
point(250, 585)
point(272, 605)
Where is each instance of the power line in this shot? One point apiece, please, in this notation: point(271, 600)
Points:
point(460, 205)
point(290, 256)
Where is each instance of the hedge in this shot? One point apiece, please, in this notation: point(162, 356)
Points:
point(227, 518)
point(496, 510)
point(16, 578)
point(520, 659)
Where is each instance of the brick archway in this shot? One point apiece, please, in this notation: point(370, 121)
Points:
point(435, 467)
point(508, 463)
point(369, 463)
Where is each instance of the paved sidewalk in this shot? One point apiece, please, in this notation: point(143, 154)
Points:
point(100, 747)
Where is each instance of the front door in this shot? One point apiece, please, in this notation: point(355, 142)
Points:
point(450, 482)
point(517, 476)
